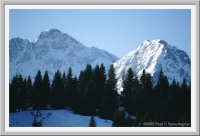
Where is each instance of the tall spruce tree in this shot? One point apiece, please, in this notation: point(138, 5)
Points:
point(184, 85)
point(159, 84)
point(46, 90)
point(37, 90)
point(102, 83)
point(99, 78)
point(135, 96)
point(97, 85)
point(128, 89)
point(110, 101)
point(90, 97)
point(29, 92)
point(143, 80)
point(14, 95)
point(23, 95)
point(58, 91)
point(64, 79)
point(81, 93)
point(74, 104)
point(148, 82)
point(69, 87)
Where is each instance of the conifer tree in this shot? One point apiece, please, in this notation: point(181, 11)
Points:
point(23, 95)
point(134, 97)
point(102, 83)
point(87, 73)
point(110, 100)
point(29, 92)
point(148, 82)
point(162, 86)
point(84, 77)
point(99, 78)
point(20, 86)
point(165, 83)
point(111, 88)
point(90, 98)
point(128, 89)
point(97, 85)
point(184, 85)
point(64, 79)
point(81, 93)
point(14, 95)
point(143, 79)
point(81, 83)
point(92, 122)
point(74, 104)
point(173, 86)
point(37, 89)
point(58, 91)
point(136, 84)
point(69, 87)
point(102, 77)
point(46, 90)
point(104, 108)
point(159, 84)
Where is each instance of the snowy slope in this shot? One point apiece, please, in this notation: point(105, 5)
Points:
point(53, 50)
point(58, 118)
point(152, 56)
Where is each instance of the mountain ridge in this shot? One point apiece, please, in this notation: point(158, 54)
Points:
point(52, 50)
point(154, 55)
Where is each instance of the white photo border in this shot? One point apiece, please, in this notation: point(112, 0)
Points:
point(44, 4)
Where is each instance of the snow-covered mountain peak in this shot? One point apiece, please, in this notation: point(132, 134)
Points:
point(154, 55)
point(157, 42)
point(48, 33)
point(54, 38)
point(52, 50)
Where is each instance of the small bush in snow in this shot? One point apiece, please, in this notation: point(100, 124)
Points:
point(36, 115)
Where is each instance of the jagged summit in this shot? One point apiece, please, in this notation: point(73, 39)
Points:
point(52, 50)
point(52, 29)
point(48, 33)
point(153, 55)
point(158, 42)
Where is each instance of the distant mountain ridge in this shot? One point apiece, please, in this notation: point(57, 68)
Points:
point(52, 50)
point(154, 55)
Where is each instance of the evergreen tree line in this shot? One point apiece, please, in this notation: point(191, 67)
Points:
point(94, 92)
point(160, 103)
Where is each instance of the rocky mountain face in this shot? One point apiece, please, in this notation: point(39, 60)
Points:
point(154, 55)
point(53, 50)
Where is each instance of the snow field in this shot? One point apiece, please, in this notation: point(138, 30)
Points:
point(58, 118)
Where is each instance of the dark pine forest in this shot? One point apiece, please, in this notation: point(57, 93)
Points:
point(95, 93)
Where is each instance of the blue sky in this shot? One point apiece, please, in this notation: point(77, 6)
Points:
point(117, 31)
